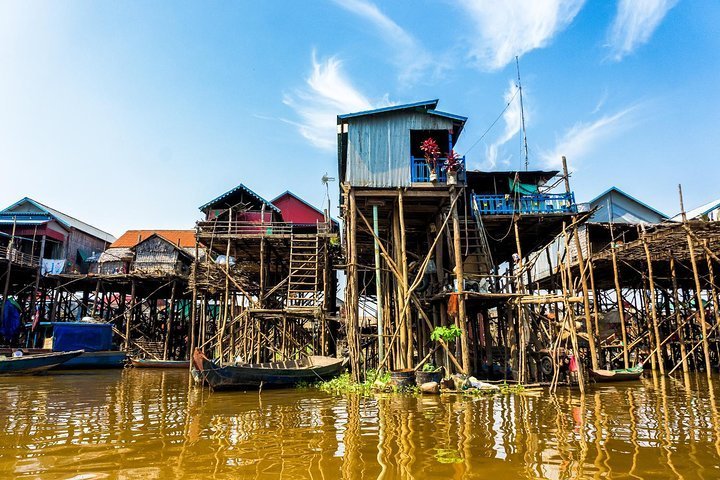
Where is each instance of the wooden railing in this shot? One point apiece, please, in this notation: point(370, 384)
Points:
point(244, 228)
point(19, 258)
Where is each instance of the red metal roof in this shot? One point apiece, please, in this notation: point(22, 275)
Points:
point(185, 238)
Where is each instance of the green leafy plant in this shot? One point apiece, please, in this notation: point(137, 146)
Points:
point(429, 367)
point(447, 334)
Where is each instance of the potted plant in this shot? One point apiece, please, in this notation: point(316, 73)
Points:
point(428, 373)
point(453, 164)
point(447, 334)
point(432, 153)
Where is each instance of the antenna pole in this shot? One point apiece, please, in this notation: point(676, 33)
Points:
point(522, 113)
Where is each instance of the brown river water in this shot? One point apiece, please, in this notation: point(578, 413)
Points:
point(136, 424)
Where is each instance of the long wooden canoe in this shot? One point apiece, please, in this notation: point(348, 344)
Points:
point(150, 363)
point(31, 364)
point(264, 375)
point(622, 375)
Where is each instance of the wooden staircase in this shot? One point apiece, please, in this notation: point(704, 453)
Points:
point(304, 282)
point(474, 247)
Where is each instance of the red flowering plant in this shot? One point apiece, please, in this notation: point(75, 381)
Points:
point(432, 152)
point(453, 163)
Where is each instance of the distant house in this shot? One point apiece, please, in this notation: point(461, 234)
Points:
point(157, 255)
point(245, 205)
point(297, 211)
point(616, 206)
point(63, 242)
point(253, 215)
point(617, 217)
point(709, 212)
point(125, 254)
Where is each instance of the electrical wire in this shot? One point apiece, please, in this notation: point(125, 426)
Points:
point(493, 123)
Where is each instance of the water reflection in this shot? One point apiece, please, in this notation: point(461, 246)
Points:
point(149, 424)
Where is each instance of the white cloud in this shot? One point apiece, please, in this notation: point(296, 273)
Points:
point(512, 28)
point(583, 137)
point(409, 56)
point(634, 24)
point(512, 120)
point(327, 93)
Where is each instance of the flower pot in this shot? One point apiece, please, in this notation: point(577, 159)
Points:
point(433, 176)
point(451, 178)
point(426, 377)
point(403, 378)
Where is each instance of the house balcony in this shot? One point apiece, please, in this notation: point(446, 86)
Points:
point(18, 258)
point(535, 204)
point(420, 171)
point(234, 228)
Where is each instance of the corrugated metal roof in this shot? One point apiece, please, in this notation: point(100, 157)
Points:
point(129, 239)
point(699, 211)
point(64, 219)
point(620, 192)
point(246, 190)
point(428, 105)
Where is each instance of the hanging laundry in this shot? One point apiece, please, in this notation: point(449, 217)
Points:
point(52, 267)
point(452, 308)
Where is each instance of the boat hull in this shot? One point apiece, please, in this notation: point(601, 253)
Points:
point(269, 375)
point(146, 363)
point(93, 360)
point(33, 364)
point(608, 376)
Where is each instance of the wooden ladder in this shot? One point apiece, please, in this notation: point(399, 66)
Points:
point(303, 288)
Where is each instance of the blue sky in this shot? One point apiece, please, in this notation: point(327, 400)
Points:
point(132, 114)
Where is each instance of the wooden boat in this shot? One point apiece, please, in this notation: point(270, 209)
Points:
point(93, 360)
point(31, 364)
point(621, 375)
point(150, 363)
point(264, 375)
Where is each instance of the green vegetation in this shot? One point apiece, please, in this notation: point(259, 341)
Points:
point(448, 334)
point(429, 367)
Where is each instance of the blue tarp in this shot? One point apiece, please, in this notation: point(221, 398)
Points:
point(10, 323)
point(91, 337)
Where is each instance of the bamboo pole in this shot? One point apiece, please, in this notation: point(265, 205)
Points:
point(128, 314)
point(586, 300)
point(653, 307)
point(460, 278)
point(713, 287)
point(698, 291)
point(169, 322)
point(621, 306)
point(522, 361)
point(351, 301)
point(678, 315)
point(408, 348)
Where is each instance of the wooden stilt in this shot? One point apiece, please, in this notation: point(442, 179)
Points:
point(698, 290)
point(620, 305)
point(678, 315)
point(460, 279)
point(129, 315)
point(653, 308)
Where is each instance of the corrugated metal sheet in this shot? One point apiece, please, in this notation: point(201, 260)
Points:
point(379, 147)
